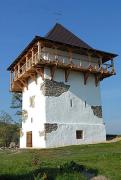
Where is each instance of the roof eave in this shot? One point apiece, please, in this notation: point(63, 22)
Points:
point(23, 52)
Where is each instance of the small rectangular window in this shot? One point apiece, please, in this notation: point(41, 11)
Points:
point(71, 102)
point(85, 104)
point(32, 101)
point(79, 134)
point(31, 120)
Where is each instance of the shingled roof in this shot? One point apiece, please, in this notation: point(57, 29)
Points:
point(60, 34)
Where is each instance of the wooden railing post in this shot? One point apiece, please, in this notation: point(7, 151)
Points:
point(15, 73)
point(39, 49)
point(70, 56)
point(18, 69)
point(11, 80)
point(27, 62)
point(32, 56)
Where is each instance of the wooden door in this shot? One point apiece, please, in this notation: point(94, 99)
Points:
point(29, 139)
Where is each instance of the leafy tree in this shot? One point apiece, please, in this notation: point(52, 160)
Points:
point(9, 131)
point(16, 103)
point(5, 118)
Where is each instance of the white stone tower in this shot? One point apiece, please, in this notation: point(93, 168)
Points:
point(59, 77)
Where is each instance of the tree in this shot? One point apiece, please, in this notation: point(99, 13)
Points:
point(5, 118)
point(9, 131)
point(16, 103)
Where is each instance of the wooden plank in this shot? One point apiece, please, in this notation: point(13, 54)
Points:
point(86, 75)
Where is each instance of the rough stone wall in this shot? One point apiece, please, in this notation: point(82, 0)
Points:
point(97, 110)
point(53, 88)
point(50, 127)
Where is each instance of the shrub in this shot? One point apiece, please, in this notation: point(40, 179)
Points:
point(71, 166)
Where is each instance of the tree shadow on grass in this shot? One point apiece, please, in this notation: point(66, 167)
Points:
point(52, 173)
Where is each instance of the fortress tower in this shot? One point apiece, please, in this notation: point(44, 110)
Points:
point(59, 77)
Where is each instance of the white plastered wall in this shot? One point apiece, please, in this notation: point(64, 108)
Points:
point(37, 113)
point(49, 109)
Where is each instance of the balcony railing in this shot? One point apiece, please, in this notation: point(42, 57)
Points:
point(65, 60)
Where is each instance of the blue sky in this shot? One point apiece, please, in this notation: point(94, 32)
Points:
point(96, 22)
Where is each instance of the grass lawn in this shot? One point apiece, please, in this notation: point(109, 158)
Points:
point(25, 164)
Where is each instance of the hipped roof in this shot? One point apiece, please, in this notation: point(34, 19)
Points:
point(60, 34)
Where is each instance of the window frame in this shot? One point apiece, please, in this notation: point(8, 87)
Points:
point(32, 101)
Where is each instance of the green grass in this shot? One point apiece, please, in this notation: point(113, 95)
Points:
point(25, 164)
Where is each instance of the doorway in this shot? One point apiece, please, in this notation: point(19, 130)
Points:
point(29, 139)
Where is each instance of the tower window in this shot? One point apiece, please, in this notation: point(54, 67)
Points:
point(79, 134)
point(71, 104)
point(85, 104)
point(32, 101)
point(31, 120)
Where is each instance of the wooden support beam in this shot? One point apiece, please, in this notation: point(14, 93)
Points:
point(18, 69)
point(24, 83)
point(11, 80)
point(40, 71)
point(39, 49)
point(101, 77)
point(86, 75)
point(32, 50)
point(27, 67)
point(97, 79)
point(67, 72)
point(52, 71)
point(15, 72)
point(19, 85)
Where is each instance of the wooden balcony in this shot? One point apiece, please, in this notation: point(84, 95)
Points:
point(35, 65)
